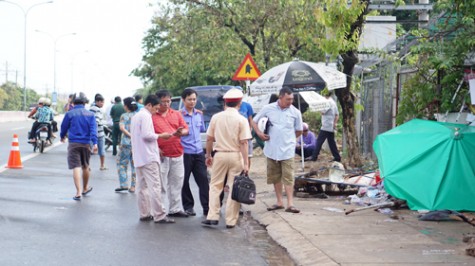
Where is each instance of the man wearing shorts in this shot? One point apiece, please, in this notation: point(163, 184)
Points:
point(280, 146)
point(80, 125)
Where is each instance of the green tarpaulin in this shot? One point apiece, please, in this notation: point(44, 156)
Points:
point(429, 164)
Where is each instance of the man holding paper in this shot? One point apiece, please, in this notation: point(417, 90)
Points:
point(172, 172)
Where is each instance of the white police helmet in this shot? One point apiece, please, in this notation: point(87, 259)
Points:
point(264, 125)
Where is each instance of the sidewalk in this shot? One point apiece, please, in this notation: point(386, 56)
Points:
point(321, 237)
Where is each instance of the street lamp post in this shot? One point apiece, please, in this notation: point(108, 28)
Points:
point(55, 42)
point(73, 58)
point(25, 14)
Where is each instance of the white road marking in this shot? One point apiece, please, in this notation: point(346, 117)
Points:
point(30, 156)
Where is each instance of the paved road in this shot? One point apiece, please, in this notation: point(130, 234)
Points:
point(40, 224)
point(7, 130)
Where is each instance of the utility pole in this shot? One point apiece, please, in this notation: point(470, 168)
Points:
point(423, 14)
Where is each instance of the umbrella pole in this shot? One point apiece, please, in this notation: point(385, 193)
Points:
point(301, 141)
point(453, 99)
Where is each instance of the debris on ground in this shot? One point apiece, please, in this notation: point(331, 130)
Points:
point(446, 215)
point(470, 239)
point(393, 203)
point(332, 209)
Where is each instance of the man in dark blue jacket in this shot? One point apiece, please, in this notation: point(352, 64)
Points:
point(80, 125)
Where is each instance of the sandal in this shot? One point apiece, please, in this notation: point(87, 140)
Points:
point(121, 189)
point(275, 207)
point(77, 198)
point(292, 209)
point(87, 191)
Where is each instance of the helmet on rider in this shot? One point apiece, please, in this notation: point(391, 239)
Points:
point(41, 100)
point(47, 102)
point(80, 98)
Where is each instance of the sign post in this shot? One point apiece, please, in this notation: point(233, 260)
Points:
point(247, 71)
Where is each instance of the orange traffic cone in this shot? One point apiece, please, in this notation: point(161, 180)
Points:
point(14, 161)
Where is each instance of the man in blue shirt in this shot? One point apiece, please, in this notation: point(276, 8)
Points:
point(280, 145)
point(139, 100)
point(80, 125)
point(193, 158)
point(247, 111)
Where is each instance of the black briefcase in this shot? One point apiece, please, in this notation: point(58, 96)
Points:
point(244, 189)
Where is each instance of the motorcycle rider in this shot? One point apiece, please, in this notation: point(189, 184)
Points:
point(54, 124)
point(31, 136)
point(43, 115)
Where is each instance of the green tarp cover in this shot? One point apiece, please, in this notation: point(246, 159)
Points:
point(429, 164)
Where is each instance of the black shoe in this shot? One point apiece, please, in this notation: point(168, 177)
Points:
point(230, 226)
point(210, 222)
point(121, 189)
point(165, 220)
point(180, 214)
point(190, 212)
point(146, 218)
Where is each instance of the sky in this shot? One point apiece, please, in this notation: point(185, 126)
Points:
point(98, 58)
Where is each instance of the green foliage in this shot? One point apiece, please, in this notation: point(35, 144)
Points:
point(11, 97)
point(313, 119)
point(439, 60)
point(203, 42)
point(338, 18)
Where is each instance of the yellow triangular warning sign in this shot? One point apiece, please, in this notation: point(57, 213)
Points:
point(247, 70)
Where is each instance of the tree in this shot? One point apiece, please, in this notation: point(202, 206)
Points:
point(438, 59)
point(11, 97)
point(343, 25)
point(202, 42)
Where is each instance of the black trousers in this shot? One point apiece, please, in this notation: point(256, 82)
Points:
point(307, 152)
point(116, 134)
point(330, 137)
point(35, 127)
point(195, 164)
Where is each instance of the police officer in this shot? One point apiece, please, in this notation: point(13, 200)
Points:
point(230, 131)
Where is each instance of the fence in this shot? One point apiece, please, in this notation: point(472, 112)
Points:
point(378, 94)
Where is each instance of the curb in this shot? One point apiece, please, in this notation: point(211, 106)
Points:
point(300, 249)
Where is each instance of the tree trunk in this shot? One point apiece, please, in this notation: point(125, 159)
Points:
point(347, 102)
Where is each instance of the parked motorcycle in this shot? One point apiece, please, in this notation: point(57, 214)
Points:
point(107, 137)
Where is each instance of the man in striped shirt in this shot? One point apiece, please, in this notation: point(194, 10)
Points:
point(96, 108)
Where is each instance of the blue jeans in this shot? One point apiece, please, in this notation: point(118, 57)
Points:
point(100, 146)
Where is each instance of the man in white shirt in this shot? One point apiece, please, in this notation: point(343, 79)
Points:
point(327, 131)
